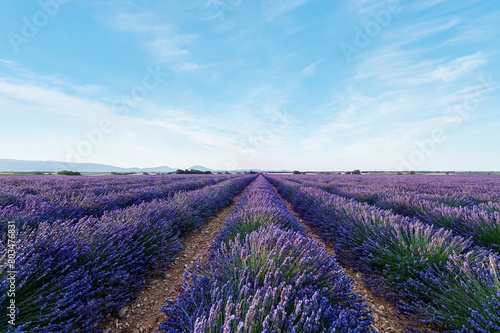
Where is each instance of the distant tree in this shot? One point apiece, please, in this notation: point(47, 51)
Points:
point(348, 172)
point(446, 173)
point(412, 173)
point(488, 173)
point(145, 173)
point(226, 172)
point(399, 173)
point(252, 172)
point(193, 171)
point(296, 172)
point(356, 172)
point(69, 173)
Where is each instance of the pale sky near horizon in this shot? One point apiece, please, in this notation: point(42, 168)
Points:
point(228, 84)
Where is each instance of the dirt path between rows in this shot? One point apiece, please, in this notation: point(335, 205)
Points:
point(145, 315)
point(384, 311)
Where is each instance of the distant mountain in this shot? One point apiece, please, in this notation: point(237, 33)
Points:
point(260, 170)
point(7, 165)
point(200, 168)
point(157, 169)
point(53, 166)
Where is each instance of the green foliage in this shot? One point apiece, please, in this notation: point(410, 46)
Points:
point(192, 171)
point(296, 172)
point(412, 173)
point(348, 172)
point(356, 172)
point(69, 173)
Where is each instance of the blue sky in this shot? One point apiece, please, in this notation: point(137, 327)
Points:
point(296, 84)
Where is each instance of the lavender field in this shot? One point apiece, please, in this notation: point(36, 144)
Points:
point(77, 251)
point(259, 166)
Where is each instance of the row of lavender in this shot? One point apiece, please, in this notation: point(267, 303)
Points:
point(17, 190)
point(266, 275)
point(70, 274)
point(29, 201)
point(452, 189)
point(481, 222)
point(442, 279)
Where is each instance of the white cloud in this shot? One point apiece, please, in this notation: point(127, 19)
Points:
point(51, 100)
point(411, 69)
point(198, 132)
point(425, 4)
point(458, 67)
point(23, 74)
point(163, 41)
point(190, 66)
point(311, 69)
point(280, 7)
point(166, 49)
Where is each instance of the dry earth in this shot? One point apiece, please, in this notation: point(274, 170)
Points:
point(384, 311)
point(145, 315)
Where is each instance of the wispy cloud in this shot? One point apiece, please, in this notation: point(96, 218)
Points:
point(197, 131)
point(311, 69)
point(412, 69)
point(51, 100)
point(190, 66)
point(280, 7)
point(162, 40)
point(458, 67)
point(15, 72)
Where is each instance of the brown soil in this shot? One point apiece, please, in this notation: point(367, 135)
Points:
point(145, 315)
point(384, 311)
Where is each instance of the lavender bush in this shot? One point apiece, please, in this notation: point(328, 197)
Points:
point(72, 274)
point(272, 281)
point(32, 200)
point(265, 277)
point(441, 277)
point(457, 212)
point(259, 206)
